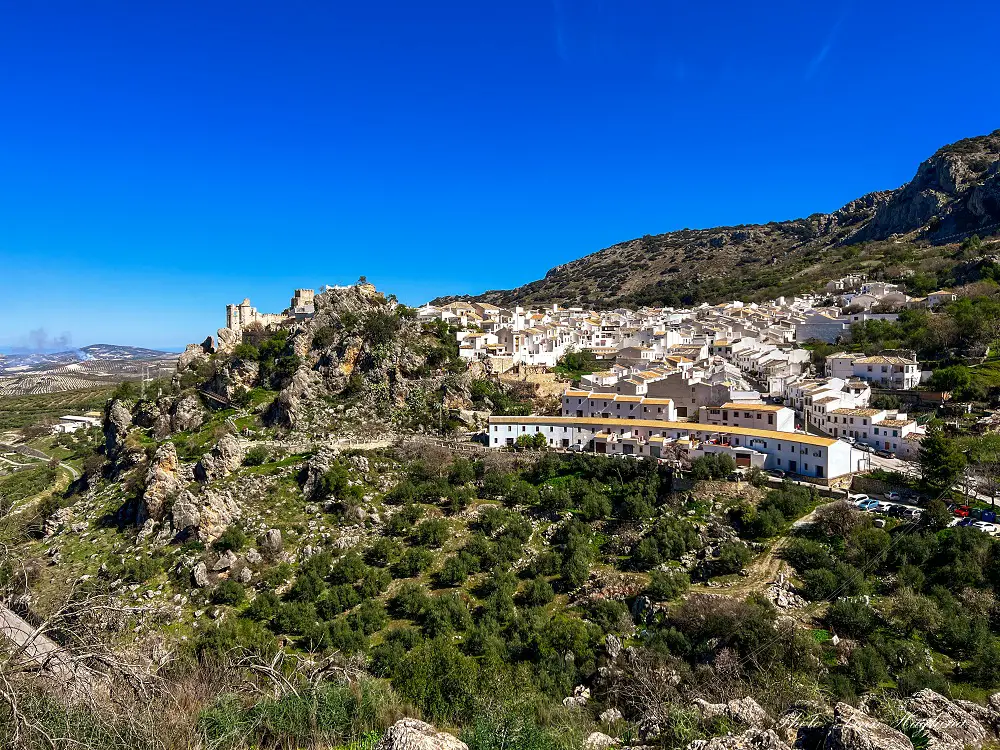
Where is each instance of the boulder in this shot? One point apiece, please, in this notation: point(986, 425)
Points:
point(162, 483)
point(200, 575)
point(188, 414)
point(253, 557)
point(751, 739)
point(191, 354)
point(117, 421)
point(226, 560)
point(210, 512)
point(613, 645)
point(225, 458)
point(855, 730)
point(411, 734)
point(985, 715)
point(599, 741)
point(948, 726)
point(271, 543)
point(745, 711)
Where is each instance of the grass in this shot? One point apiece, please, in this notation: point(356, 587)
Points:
point(23, 411)
point(26, 483)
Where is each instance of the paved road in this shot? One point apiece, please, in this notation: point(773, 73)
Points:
point(22, 639)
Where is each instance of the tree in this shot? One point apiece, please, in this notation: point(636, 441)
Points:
point(941, 459)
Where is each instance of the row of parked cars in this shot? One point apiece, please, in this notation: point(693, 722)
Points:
point(888, 507)
point(981, 519)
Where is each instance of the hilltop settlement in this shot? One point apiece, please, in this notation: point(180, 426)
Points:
point(675, 514)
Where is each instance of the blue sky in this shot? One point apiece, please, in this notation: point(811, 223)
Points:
point(158, 160)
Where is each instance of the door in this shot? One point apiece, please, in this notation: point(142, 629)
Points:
point(793, 466)
point(602, 447)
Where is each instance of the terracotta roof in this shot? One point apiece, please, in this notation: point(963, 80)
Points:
point(751, 407)
point(689, 427)
point(858, 412)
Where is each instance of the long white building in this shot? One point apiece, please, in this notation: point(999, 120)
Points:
point(819, 458)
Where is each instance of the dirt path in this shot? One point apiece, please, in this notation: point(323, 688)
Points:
point(762, 571)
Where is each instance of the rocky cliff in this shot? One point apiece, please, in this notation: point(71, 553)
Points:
point(954, 194)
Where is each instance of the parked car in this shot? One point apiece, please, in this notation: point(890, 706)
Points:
point(855, 497)
point(897, 511)
point(867, 505)
point(777, 473)
point(967, 522)
point(986, 527)
point(576, 447)
point(911, 514)
point(885, 454)
point(894, 496)
point(884, 507)
point(863, 447)
point(962, 511)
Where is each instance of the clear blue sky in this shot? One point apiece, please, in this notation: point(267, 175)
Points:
point(160, 159)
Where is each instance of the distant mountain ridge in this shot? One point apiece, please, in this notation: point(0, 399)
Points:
point(954, 194)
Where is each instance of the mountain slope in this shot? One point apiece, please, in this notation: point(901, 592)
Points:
point(955, 193)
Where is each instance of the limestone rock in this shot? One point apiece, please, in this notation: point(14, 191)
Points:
point(226, 457)
point(855, 730)
point(613, 645)
point(745, 711)
point(117, 421)
point(192, 354)
point(579, 699)
point(200, 575)
point(271, 543)
point(949, 726)
point(751, 739)
point(162, 483)
point(411, 734)
point(253, 557)
point(599, 741)
point(226, 560)
point(188, 414)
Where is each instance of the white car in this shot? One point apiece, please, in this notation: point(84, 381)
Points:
point(855, 498)
point(986, 527)
point(895, 496)
point(884, 507)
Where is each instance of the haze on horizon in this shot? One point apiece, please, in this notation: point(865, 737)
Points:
point(162, 160)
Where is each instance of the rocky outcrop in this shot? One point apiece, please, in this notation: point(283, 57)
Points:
point(285, 410)
point(117, 421)
point(745, 711)
point(209, 513)
point(225, 458)
point(411, 734)
point(855, 730)
point(948, 725)
point(188, 414)
point(271, 543)
point(162, 483)
point(599, 741)
point(751, 739)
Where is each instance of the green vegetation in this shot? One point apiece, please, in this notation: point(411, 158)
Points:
point(573, 364)
point(26, 483)
point(41, 409)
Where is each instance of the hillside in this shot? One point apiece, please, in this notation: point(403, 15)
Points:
point(954, 194)
point(269, 550)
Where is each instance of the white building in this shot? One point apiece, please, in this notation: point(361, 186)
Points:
point(820, 458)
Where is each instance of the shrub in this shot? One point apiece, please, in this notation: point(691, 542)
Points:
point(431, 533)
point(733, 557)
point(666, 585)
point(854, 619)
point(538, 592)
point(413, 562)
point(323, 337)
point(229, 592)
point(232, 539)
point(257, 455)
point(263, 608)
point(369, 618)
